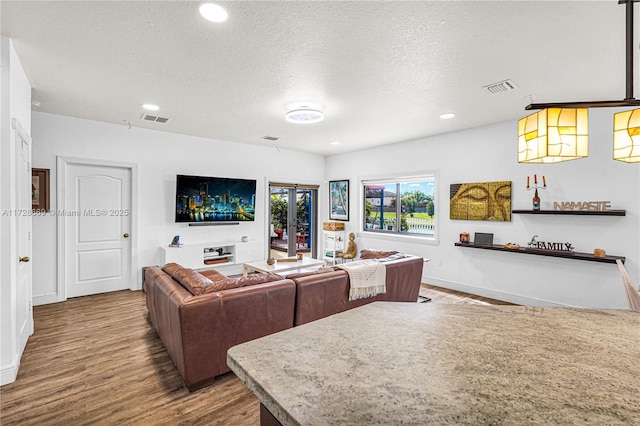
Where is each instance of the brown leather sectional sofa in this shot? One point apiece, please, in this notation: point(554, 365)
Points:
point(199, 316)
point(321, 294)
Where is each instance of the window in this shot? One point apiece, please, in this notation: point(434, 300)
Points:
point(403, 206)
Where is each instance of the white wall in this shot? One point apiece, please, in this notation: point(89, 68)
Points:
point(482, 154)
point(15, 95)
point(160, 157)
point(489, 154)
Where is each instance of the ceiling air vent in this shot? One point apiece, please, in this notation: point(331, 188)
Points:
point(501, 87)
point(154, 118)
point(270, 138)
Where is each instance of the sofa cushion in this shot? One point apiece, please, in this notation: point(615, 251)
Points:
point(193, 281)
point(308, 273)
point(213, 275)
point(252, 279)
point(376, 254)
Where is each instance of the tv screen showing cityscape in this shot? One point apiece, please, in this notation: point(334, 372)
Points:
point(214, 199)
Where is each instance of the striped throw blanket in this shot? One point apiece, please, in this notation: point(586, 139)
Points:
point(367, 278)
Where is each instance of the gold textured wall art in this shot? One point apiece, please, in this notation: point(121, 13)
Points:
point(480, 201)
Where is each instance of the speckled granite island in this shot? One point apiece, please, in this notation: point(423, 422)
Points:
point(409, 363)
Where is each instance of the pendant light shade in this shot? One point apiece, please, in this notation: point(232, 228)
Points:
point(553, 135)
point(626, 136)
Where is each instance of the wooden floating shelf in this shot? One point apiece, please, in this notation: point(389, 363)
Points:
point(538, 252)
point(574, 212)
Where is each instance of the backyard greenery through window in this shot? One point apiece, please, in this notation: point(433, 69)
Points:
point(400, 205)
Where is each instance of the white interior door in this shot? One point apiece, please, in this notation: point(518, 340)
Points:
point(24, 309)
point(97, 226)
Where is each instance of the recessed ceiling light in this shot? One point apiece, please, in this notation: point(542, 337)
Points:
point(447, 115)
point(150, 107)
point(335, 143)
point(213, 12)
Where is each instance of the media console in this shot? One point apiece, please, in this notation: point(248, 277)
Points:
point(215, 254)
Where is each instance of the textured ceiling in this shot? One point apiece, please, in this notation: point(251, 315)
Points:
point(382, 71)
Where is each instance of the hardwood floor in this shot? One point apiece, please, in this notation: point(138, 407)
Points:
point(444, 295)
point(97, 360)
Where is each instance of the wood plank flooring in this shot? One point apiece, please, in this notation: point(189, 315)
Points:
point(444, 295)
point(96, 360)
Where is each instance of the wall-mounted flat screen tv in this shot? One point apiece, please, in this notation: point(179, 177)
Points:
point(214, 199)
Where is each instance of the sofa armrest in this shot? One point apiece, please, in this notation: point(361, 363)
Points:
point(404, 277)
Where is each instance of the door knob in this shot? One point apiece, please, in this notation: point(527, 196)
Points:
point(126, 235)
point(24, 259)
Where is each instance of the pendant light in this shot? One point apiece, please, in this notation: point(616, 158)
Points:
point(553, 135)
point(560, 131)
point(626, 136)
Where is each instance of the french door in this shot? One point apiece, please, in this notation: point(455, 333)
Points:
point(293, 219)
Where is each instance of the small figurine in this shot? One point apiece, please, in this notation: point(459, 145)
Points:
point(175, 242)
point(352, 248)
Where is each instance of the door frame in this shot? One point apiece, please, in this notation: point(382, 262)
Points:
point(269, 182)
point(62, 164)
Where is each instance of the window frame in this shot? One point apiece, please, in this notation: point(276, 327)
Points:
point(397, 234)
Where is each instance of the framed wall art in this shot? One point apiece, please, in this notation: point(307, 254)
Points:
point(481, 201)
point(339, 200)
point(40, 189)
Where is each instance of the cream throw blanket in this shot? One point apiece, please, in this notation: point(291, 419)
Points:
point(367, 278)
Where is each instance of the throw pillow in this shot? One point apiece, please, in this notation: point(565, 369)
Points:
point(393, 257)
point(193, 281)
point(376, 254)
point(252, 279)
point(171, 268)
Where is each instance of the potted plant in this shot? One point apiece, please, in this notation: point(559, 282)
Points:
point(278, 214)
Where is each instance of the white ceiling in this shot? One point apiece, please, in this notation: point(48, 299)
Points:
point(382, 71)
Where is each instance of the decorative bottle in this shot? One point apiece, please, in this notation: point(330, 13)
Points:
point(536, 201)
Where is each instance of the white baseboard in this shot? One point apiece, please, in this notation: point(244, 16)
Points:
point(8, 374)
point(45, 299)
point(492, 294)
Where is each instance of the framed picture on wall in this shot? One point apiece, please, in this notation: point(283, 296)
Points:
point(40, 189)
point(339, 200)
point(480, 201)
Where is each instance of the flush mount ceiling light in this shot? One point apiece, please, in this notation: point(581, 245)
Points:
point(304, 113)
point(447, 115)
point(561, 123)
point(150, 107)
point(213, 12)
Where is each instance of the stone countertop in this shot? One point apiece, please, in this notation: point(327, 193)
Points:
point(419, 363)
